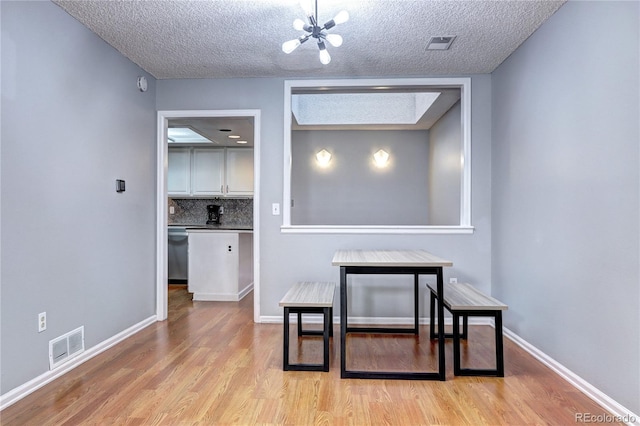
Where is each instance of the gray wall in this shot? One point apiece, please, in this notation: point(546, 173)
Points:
point(287, 258)
point(445, 168)
point(352, 190)
point(73, 122)
point(566, 193)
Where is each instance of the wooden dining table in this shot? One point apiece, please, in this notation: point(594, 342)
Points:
point(389, 262)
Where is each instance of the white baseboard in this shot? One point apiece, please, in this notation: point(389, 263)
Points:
point(223, 297)
point(16, 394)
point(248, 289)
point(619, 413)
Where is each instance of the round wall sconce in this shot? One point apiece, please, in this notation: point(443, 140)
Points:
point(381, 158)
point(323, 157)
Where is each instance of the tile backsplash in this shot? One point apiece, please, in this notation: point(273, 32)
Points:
point(193, 211)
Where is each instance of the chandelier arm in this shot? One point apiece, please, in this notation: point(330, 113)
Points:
point(329, 24)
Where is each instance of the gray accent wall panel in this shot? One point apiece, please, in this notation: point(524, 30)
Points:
point(73, 121)
point(352, 190)
point(566, 190)
point(445, 168)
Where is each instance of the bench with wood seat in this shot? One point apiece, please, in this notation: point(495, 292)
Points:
point(463, 300)
point(309, 298)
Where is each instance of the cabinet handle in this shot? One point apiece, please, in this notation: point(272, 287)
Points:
point(227, 189)
point(221, 189)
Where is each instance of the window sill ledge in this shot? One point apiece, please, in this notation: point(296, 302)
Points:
point(348, 229)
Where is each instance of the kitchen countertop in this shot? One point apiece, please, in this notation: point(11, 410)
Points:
point(221, 227)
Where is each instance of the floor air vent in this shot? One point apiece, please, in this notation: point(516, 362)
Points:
point(66, 347)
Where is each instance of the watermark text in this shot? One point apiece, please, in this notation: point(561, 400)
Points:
point(604, 418)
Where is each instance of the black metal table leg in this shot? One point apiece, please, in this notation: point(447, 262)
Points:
point(441, 360)
point(343, 321)
point(499, 343)
point(344, 328)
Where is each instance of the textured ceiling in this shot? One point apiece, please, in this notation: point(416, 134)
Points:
point(243, 38)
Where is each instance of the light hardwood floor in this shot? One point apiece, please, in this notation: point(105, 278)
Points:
point(210, 364)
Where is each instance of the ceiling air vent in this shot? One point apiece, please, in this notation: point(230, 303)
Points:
point(440, 43)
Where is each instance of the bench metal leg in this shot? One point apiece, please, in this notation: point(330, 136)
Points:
point(328, 326)
point(326, 332)
point(285, 354)
point(457, 369)
point(456, 346)
point(432, 320)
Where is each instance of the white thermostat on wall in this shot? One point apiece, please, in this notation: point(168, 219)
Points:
point(142, 83)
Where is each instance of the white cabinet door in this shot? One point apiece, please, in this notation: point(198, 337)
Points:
point(208, 172)
point(213, 266)
point(179, 171)
point(239, 171)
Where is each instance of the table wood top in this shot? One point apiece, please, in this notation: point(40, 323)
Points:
point(398, 258)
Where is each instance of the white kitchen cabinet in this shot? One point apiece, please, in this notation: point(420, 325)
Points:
point(220, 265)
point(210, 172)
point(179, 171)
point(239, 171)
point(207, 174)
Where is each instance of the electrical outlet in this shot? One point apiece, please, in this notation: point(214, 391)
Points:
point(172, 210)
point(42, 322)
point(453, 280)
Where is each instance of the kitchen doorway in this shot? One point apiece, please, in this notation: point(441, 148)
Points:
point(162, 206)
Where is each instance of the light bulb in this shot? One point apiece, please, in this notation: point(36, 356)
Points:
point(341, 17)
point(323, 157)
point(290, 46)
point(307, 6)
point(325, 58)
point(381, 158)
point(298, 24)
point(334, 39)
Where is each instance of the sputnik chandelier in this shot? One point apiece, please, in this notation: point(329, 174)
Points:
point(315, 31)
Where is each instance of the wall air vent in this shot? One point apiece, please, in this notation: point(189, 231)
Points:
point(440, 43)
point(65, 347)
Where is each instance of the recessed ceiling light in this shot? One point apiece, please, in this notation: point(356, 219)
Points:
point(241, 141)
point(440, 43)
point(234, 137)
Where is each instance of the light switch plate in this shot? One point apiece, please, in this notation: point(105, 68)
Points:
point(275, 209)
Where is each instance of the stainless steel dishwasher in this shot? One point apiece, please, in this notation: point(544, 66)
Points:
point(178, 254)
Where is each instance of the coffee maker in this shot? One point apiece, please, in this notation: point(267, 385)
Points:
point(214, 212)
